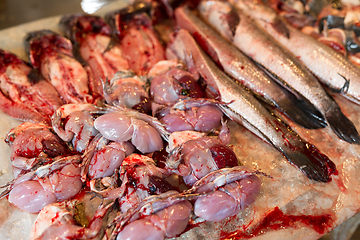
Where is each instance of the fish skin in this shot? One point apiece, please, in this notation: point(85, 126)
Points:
point(309, 51)
point(244, 70)
point(330, 67)
point(261, 11)
point(251, 39)
point(245, 109)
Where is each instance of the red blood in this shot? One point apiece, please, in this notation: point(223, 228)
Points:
point(223, 156)
point(337, 46)
point(192, 225)
point(160, 157)
point(158, 185)
point(6, 59)
point(78, 136)
point(80, 195)
point(54, 148)
point(321, 160)
point(43, 44)
point(144, 106)
point(276, 220)
point(26, 152)
point(57, 215)
point(133, 180)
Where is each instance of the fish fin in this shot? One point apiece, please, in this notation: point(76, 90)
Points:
point(342, 126)
point(302, 112)
point(281, 27)
point(299, 109)
point(346, 86)
point(344, 89)
point(304, 156)
point(233, 19)
point(311, 163)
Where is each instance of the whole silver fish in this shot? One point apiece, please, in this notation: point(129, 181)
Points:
point(330, 67)
point(247, 73)
point(251, 39)
point(246, 110)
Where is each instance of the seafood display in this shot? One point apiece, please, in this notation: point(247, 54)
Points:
point(244, 109)
point(72, 123)
point(180, 119)
point(127, 90)
point(247, 73)
point(139, 42)
point(301, 45)
point(92, 38)
point(52, 54)
point(289, 71)
point(192, 160)
point(60, 219)
point(26, 95)
point(143, 131)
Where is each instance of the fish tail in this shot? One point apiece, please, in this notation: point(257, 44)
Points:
point(342, 126)
point(296, 106)
point(302, 112)
point(311, 162)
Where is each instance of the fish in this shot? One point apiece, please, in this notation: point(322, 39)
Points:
point(279, 63)
point(93, 46)
point(247, 73)
point(261, 11)
point(242, 107)
point(330, 67)
point(139, 42)
point(51, 54)
point(24, 94)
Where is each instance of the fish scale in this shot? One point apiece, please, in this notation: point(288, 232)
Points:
point(245, 71)
point(246, 110)
point(279, 63)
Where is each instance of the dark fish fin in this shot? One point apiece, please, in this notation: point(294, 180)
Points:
point(302, 112)
point(342, 126)
point(233, 19)
point(346, 86)
point(299, 109)
point(302, 155)
point(277, 79)
point(344, 89)
point(311, 162)
point(281, 27)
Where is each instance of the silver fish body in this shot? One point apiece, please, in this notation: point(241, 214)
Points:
point(251, 39)
point(247, 73)
point(329, 66)
point(245, 109)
